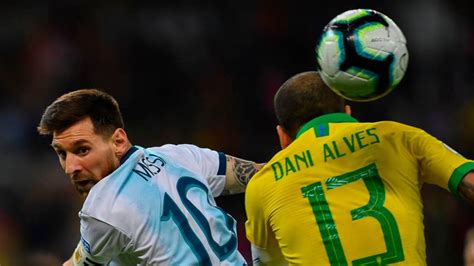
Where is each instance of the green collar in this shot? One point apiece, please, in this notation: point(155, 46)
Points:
point(320, 123)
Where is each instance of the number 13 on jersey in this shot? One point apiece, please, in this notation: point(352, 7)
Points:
point(374, 208)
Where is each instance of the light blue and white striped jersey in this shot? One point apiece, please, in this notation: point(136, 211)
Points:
point(158, 208)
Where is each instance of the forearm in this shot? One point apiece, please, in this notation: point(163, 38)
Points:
point(466, 188)
point(238, 174)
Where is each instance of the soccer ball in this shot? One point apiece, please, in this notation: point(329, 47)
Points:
point(362, 55)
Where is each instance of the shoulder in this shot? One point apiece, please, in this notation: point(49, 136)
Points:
point(182, 150)
point(120, 198)
point(394, 126)
point(199, 160)
point(392, 129)
point(104, 204)
point(177, 147)
point(104, 194)
point(401, 136)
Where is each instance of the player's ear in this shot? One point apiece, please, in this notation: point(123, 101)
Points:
point(347, 109)
point(285, 139)
point(120, 141)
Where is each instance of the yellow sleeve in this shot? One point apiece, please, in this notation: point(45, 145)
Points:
point(439, 164)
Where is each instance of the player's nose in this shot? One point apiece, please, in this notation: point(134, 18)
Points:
point(72, 164)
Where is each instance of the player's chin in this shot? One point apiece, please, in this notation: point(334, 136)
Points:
point(84, 187)
point(83, 195)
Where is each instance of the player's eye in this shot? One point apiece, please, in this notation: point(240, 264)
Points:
point(83, 151)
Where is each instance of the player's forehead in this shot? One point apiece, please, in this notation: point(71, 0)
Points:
point(79, 133)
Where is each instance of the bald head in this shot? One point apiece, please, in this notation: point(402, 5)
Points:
point(302, 98)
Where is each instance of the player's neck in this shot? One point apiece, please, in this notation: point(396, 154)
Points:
point(129, 149)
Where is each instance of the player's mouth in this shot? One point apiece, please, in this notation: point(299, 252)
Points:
point(84, 186)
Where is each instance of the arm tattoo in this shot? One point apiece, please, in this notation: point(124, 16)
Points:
point(466, 190)
point(243, 170)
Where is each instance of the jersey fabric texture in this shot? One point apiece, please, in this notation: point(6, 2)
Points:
point(158, 208)
point(348, 193)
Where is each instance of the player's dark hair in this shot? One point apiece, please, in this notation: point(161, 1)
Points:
point(302, 98)
point(75, 106)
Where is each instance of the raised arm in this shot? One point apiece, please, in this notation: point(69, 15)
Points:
point(466, 188)
point(238, 174)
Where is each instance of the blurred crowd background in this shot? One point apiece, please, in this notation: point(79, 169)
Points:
point(205, 72)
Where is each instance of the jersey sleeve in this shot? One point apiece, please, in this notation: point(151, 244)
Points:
point(100, 242)
point(439, 164)
point(257, 226)
point(209, 163)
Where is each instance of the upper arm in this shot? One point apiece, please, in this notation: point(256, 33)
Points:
point(208, 164)
point(224, 174)
point(466, 188)
point(81, 257)
point(439, 164)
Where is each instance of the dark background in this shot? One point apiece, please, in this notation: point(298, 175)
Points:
point(205, 72)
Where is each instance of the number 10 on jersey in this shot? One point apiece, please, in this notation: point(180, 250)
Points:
point(374, 208)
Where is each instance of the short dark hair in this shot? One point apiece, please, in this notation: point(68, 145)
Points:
point(302, 98)
point(75, 106)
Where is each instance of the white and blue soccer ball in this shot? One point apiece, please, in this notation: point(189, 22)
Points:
point(362, 55)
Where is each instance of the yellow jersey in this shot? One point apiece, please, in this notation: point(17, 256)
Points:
point(348, 193)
